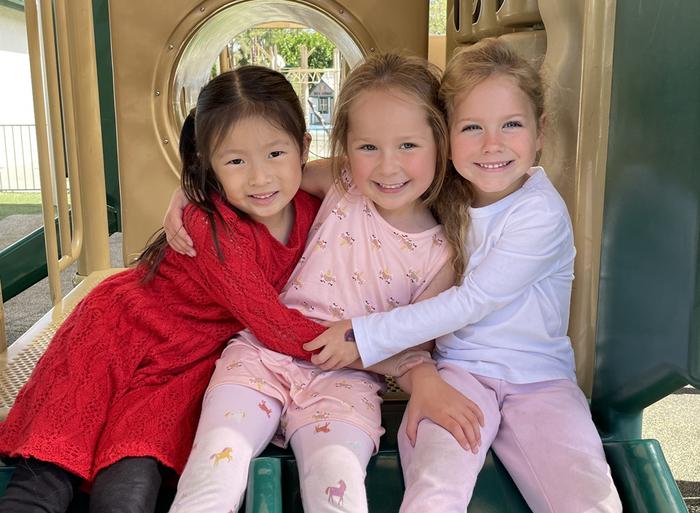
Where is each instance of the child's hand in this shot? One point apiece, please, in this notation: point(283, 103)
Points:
point(434, 399)
point(175, 233)
point(337, 344)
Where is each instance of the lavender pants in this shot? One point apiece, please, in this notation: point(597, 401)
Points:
point(543, 434)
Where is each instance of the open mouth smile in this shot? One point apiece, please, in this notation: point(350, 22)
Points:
point(390, 187)
point(493, 166)
point(263, 197)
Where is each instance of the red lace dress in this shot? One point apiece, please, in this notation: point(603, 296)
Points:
point(126, 372)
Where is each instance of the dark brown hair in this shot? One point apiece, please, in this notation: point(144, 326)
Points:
point(248, 91)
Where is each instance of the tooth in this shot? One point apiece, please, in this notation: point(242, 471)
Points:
point(394, 186)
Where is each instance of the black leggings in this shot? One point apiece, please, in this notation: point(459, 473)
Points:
point(129, 486)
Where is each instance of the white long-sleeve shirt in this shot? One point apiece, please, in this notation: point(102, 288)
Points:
point(508, 318)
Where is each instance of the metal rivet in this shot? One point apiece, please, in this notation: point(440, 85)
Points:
point(157, 93)
point(341, 11)
point(371, 49)
point(202, 9)
point(166, 141)
point(171, 46)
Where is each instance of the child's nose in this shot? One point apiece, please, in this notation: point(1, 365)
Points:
point(492, 142)
point(259, 175)
point(388, 163)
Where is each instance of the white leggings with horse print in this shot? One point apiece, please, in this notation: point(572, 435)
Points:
point(235, 427)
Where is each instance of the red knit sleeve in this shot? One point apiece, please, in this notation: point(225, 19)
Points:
point(242, 287)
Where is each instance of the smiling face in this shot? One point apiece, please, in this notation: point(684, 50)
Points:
point(259, 167)
point(494, 138)
point(391, 151)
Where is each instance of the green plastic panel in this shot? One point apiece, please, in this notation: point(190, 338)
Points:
point(5, 475)
point(643, 477)
point(18, 5)
point(105, 80)
point(23, 264)
point(649, 302)
point(264, 491)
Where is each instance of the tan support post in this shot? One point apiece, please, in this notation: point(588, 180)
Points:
point(3, 333)
point(95, 254)
point(54, 105)
point(37, 63)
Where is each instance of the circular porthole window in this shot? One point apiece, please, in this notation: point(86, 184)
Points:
point(312, 45)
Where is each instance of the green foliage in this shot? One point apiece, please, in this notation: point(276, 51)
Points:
point(437, 21)
point(289, 42)
point(256, 46)
point(19, 203)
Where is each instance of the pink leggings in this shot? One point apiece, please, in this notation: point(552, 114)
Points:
point(541, 432)
point(237, 423)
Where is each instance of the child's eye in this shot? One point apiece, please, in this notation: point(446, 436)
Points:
point(470, 128)
point(368, 147)
point(513, 124)
point(275, 154)
point(235, 162)
point(408, 146)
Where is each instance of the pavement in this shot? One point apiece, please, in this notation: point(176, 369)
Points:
point(674, 421)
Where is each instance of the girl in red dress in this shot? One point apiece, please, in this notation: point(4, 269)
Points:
point(118, 392)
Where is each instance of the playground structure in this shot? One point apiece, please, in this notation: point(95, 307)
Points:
point(634, 205)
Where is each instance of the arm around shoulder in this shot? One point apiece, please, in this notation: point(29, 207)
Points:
point(317, 177)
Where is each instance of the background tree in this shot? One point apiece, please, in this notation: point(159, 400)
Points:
point(437, 19)
point(255, 46)
point(289, 42)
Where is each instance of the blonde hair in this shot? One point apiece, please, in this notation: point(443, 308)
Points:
point(464, 71)
point(412, 76)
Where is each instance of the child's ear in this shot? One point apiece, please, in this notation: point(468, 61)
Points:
point(540, 131)
point(305, 148)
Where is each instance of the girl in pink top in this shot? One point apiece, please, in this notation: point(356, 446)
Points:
point(375, 245)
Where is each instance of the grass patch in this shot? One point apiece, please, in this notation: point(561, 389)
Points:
point(19, 203)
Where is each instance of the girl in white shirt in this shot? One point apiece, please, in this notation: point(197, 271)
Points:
point(501, 334)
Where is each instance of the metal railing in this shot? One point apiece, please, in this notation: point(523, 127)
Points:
point(19, 161)
point(320, 143)
point(65, 106)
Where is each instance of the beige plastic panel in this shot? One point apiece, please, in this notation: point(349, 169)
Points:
point(471, 20)
point(518, 13)
point(577, 36)
point(148, 40)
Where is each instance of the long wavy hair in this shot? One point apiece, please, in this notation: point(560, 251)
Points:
point(464, 71)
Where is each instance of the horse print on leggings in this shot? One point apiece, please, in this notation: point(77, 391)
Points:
point(336, 491)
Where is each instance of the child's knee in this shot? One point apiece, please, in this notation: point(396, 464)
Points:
point(333, 476)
